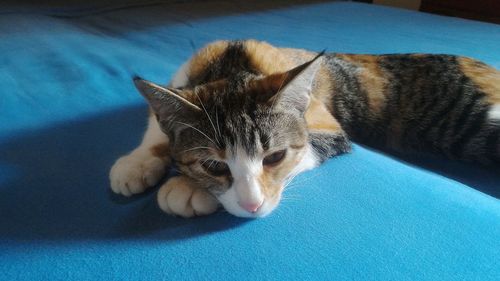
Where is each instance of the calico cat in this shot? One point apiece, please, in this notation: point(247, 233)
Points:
point(241, 118)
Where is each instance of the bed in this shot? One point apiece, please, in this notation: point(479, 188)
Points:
point(68, 109)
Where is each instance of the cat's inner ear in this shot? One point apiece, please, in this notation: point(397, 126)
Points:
point(293, 88)
point(164, 101)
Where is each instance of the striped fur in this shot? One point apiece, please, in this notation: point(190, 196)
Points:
point(431, 103)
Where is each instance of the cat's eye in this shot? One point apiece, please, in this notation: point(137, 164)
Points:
point(216, 168)
point(275, 158)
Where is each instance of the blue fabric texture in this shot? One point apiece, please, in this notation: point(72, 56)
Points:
point(68, 109)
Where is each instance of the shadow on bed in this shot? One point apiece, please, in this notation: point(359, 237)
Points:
point(56, 186)
point(482, 178)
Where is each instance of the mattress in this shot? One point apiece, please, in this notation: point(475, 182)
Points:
point(68, 109)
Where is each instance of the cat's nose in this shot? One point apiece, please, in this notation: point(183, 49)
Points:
point(252, 207)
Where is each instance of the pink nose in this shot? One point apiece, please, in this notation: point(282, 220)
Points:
point(251, 207)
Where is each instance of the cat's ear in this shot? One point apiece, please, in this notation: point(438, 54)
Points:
point(292, 89)
point(165, 102)
point(162, 99)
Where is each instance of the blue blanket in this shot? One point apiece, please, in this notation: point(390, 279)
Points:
point(68, 109)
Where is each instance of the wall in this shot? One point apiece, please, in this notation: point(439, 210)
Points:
point(407, 4)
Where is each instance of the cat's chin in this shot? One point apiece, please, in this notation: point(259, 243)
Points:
point(231, 206)
point(239, 212)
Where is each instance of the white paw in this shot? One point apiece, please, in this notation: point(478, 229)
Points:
point(178, 197)
point(134, 173)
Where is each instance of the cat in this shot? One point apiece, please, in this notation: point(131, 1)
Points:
point(241, 118)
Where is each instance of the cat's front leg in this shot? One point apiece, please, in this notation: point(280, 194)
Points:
point(145, 166)
point(326, 136)
point(180, 196)
point(329, 144)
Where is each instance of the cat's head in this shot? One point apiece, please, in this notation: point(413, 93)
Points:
point(243, 139)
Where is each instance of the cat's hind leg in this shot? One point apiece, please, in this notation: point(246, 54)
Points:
point(179, 196)
point(145, 166)
point(494, 113)
point(494, 119)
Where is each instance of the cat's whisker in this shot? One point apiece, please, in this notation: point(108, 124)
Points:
point(291, 196)
point(290, 179)
point(210, 166)
point(292, 186)
point(289, 184)
point(208, 116)
point(217, 121)
point(300, 181)
point(195, 148)
point(205, 161)
point(284, 208)
point(269, 139)
point(198, 130)
point(291, 199)
point(287, 193)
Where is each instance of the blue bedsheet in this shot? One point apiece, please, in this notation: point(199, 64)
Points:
point(68, 109)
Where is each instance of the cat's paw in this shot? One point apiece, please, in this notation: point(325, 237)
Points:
point(134, 173)
point(178, 196)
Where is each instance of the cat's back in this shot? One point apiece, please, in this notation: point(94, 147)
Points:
point(440, 103)
point(407, 82)
point(410, 72)
point(426, 102)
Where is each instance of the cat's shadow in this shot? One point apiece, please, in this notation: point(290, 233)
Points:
point(54, 186)
point(150, 222)
point(482, 178)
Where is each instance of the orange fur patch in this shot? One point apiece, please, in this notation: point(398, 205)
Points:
point(161, 150)
point(267, 58)
point(323, 89)
point(267, 183)
point(271, 178)
point(300, 56)
point(372, 79)
point(221, 153)
point(484, 76)
point(318, 117)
